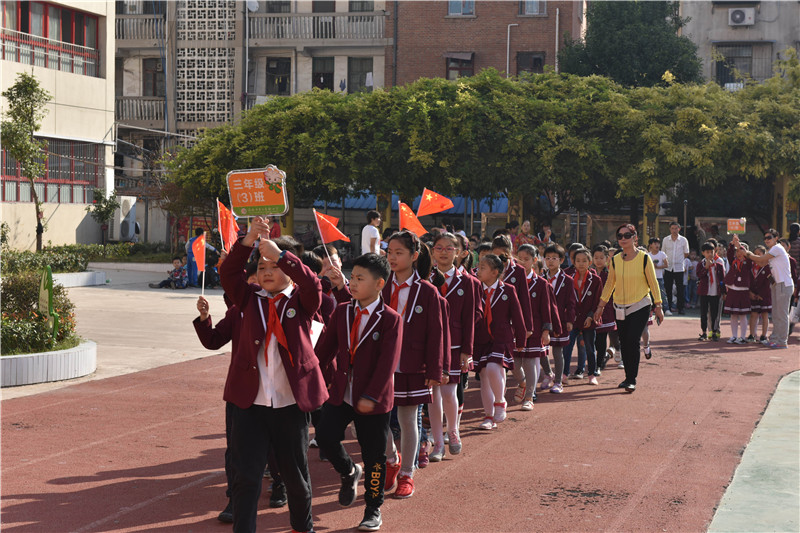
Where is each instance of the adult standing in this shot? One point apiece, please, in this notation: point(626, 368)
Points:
point(794, 241)
point(370, 236)
point(631, 279)
point(782, 287)
point(676, 247)
point(275, 228)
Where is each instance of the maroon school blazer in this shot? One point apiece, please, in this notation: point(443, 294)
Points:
point(376, 357)
point(514, 275)
point(296, 313)
point(587, 303)
point(508, 323)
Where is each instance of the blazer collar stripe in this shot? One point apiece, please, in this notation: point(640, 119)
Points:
point(457, 278)
point(373, 321)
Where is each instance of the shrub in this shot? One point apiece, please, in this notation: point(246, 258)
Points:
point(24, 329)
point(68, 258)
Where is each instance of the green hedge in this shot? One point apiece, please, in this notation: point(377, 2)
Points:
point(24, 329)
point(68, 258)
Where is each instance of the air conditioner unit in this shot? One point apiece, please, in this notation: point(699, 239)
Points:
point(741, 16)
point(127, 208)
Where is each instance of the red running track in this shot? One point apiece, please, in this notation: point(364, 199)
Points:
point(144, 452)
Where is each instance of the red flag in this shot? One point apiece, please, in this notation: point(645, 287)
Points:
point(432, 202)
point(409, 221)
point(228, 228)
point(326, 225)
point(199, 251)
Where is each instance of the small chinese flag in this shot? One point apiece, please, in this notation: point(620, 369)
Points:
point(409, 221)
point(199, 251)
point(228, 228)
point(432, 202)
point(328, 231)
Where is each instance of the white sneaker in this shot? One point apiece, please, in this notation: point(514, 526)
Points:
point(500, 412)
point(487, 424)
point(667, 313)
point(593, 380)
point(740, 340)
point(621, 365)
point(613, 353)
point(547, 382)
point(731, 340)
point(527, 405)
point(446, 438)
point(313, 443)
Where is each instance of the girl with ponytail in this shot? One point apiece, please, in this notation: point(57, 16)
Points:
point(421, 356)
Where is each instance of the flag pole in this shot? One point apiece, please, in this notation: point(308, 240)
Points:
point(320, 236)
point(219, 226)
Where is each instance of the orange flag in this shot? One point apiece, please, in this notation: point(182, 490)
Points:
point(199, 251)
point(409, 221)
point(228, 228)
point(328, 231)
point(432, 202)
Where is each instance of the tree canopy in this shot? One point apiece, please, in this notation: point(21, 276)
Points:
point(580, 139)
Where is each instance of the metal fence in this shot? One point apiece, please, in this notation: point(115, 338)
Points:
point(48, 53)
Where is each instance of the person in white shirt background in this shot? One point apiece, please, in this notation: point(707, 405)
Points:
point(370, 236)
point(676, 247)
point(661, 262)
point(782, 288)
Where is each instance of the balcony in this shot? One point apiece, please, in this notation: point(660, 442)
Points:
point(144, 111)
point(275, 29)
point(139, 31)
point(48, 53)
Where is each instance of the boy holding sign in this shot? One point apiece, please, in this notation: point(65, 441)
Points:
point(274, 379)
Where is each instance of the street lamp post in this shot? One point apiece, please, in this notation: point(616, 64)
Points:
point(508, 48)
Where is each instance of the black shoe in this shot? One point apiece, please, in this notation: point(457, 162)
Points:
point(533, 398)
point(648, 353)
point(154, 285)
point(630, 387)
point(226, 515)
point(349, 490)
point(702, 337)
point(372, 519)
point(278, 497)
point(622, 385)
point(681, 312)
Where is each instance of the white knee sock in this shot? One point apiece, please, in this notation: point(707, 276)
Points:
point(450, 406)
point(435, 415)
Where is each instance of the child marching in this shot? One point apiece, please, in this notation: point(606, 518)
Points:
point(564, 292)
point(737, 286)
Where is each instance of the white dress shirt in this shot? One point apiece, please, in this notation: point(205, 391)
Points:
point(273, 389)
point(676, 252)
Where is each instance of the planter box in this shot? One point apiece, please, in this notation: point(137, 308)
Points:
point(133, 267)
point(30, 368)
point(80, 279)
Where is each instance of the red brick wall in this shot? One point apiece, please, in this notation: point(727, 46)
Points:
point(426, 32)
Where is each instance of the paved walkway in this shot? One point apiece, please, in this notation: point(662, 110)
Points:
point(135, 448)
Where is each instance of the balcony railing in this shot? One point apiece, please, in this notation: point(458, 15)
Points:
point(140, 108)
point(307, 26)
point(140, 27)
point(48, 53)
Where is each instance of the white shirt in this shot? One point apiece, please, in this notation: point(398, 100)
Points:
point(273, 388)
point(658, 260)
point(348, 391)
point(367, 234)
point(676, 252)
point(402, 297)
point(779, 265)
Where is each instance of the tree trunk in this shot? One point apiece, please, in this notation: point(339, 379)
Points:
point(39, 217)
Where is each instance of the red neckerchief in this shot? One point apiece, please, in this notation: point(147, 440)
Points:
point(552, 281)
point(579, 287)
point(738, 263)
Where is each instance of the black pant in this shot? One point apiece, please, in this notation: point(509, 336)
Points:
point(228, 465)
point(372, 432)
point(630, 334)
point(677, 278)
point(254, 432)
point(707, 302)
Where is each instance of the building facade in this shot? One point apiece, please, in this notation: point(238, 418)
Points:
point(68, 47)
point(743, 37)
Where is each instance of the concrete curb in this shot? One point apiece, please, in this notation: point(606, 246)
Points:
point(764, 492)
point(133, 267)
point(26, 369)
point(80, 279)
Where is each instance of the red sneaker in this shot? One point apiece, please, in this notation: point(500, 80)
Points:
point(405, 487)
point(391, 473)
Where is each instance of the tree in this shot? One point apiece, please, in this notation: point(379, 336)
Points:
point(634, 43)
point(26, 101)
point(102, 209)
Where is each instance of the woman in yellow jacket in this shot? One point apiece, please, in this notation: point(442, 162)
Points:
point(631, 279)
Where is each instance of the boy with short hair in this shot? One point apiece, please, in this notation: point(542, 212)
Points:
point(274, 379)
point(359, 352)
point(710, 277)
point(660, 262)
point(177, 279)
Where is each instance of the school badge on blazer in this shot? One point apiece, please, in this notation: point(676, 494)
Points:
point(418, 309)
point(505, 297)
point(460, 292)
point(376, 336)
point(290, 313)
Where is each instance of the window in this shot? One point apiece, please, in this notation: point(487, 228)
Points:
point(532, 7)
point(460, 7)
point(322, 73)
point(361, 6)
point(72, 169)
point(279, 70)
point(153, 79)
point(50, 36)
point(530, 62)
point(459, 66)
point(359, 74)
point(748, 60)
point(279, 7)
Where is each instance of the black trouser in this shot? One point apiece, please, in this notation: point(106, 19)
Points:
point(677, 278)
point(254, 432)
point(228, 465)
point(630, 334)
point(601, 341)
point(707, 302)
point(372, 432)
